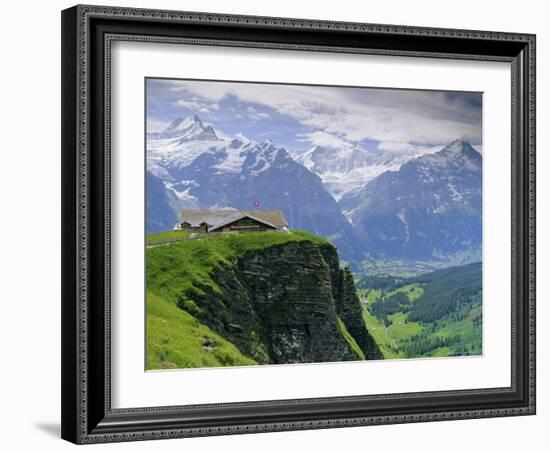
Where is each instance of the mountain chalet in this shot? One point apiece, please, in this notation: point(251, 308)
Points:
point(230, 220)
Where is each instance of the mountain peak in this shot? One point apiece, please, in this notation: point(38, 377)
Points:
point(458, 145)
point(241, 137)
point(267, 143)
point(458, 155)
point(182, 123)
point(189, 128)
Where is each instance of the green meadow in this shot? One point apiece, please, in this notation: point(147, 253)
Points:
point(432, 315)
point(176, 339)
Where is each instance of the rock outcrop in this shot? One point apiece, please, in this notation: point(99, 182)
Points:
point(287, 303)
point(348, 308)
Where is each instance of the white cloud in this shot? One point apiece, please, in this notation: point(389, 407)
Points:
point(154, 125)
point(198, 105)
point(255, 115)
point(187, 104)
point(324, 140)
point(386, 115)
point(408, 148)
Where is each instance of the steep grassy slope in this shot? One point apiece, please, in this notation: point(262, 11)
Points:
point(254, 298)
point(175, 339)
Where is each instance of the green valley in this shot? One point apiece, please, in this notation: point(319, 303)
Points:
point(276, 298)
point(430, 315)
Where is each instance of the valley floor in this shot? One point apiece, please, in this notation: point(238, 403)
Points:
point(436, 314)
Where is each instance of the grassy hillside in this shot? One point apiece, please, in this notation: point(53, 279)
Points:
point(434, 314)
point(185, 264)
point(175, 339)
point(181, 267)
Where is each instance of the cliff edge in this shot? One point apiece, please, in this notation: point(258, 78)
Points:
point(264, 298)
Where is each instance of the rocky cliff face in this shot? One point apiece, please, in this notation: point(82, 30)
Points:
point(287, 303)
point(348, 308)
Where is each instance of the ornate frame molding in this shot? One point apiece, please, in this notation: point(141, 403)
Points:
point(87, 422)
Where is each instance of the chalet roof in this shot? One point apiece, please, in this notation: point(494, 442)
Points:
point(273, 217)
point(216, 218)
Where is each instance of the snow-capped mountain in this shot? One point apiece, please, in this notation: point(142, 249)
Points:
point(347, 170)
point(430, 209)
point(179, 144)
point(393, 205)
point(204, 168)
point(172, 151)
point(190, 128)
point(162, 205)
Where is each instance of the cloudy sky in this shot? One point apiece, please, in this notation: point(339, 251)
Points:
point(300, 116)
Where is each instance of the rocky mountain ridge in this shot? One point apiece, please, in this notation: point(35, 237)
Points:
point(241, 173)
point(370, 205)
point(430, 209)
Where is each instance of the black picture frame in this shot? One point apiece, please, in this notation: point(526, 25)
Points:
point(87, 32)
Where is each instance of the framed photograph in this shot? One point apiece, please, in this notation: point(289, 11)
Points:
point(279, 224)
